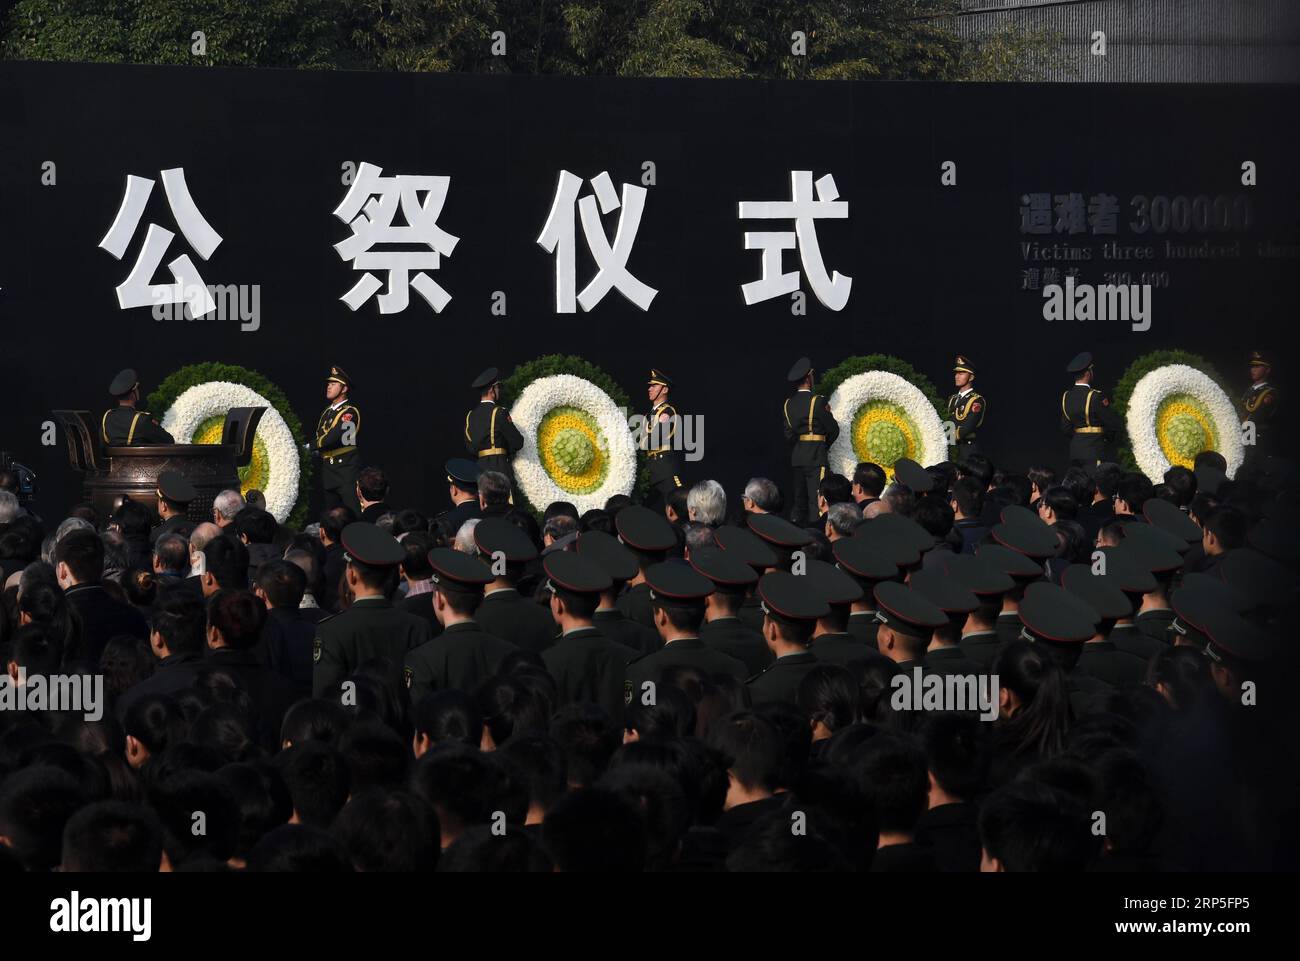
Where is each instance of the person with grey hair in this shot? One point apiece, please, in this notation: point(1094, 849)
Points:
point(875, 509)
point(698, 536)
point(761, 496)
point(465, 537)
point(899, 499)
point(225, 506)
point(707, 503)
point(556, 527)
point(842, 520)
point(9, 507)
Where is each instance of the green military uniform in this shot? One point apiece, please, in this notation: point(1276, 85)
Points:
point(957, 603)
point(792, 603)
point(177, 493)
point(966, 411)
point(731, 636)
point(372, 627)
point(124, 426)
point(781, 679)
point(1088, 418)
point(659, 442)
point(617, 626)
point(505, 612)
point(1259, 404)
point(621, 565)
point(1062, 622)
point(649, 536)
point(842, 648)
point(490, 435)
point(1101, 659)
point(810, 430)
point(464, 655)
point(337, 432)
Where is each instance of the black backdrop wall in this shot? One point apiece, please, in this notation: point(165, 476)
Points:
point(936, 269)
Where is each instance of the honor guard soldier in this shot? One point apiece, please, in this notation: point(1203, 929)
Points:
point(1086, 415)
point(336, 443)
point(462, 488)
point(810, 429)
point(174, 496)
point(587, 665)
point(490, 435)
point(372, 627)
point(123, 425)
point(791, 609)
point(464, 655)
point(1259, 405)
point(965, 409)
point(677, 594)
point(659, 442)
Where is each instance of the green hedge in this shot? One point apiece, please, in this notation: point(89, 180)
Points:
point(552, 364)
point(1139, 369)
point(852, 366)
point(179, 381)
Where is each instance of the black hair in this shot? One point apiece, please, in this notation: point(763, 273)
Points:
point(37, 649)
point(1039, 728)
point(317, 779)
point(35, 805)
point(479, 849)
point(258, 526)
point(299, 849)
point(1210, 458)
point(596, 519)
point(1041, 477)
point(83, 552)
point(956, 752)
point(677, 501)
point(595, 830)
point(228, 730)
point(493, 488)
point(1134, 812)
point(1106, 477)
point(415, 565)
point(173, 554)
point(1062, 502)
point(510, 707)
point(373, 483)
point(283, 582)
point(156, 721)
point(934, 514)
point(261, 799)
point(753, 748)
point(133, 520)
point(1184, 671)
point(969, 496)
point(113, 836)
point(828, 694)
point(375, 755)
point(464, 786)
point(542, 764)
point(318, 719)
point(977, 466)
point(448, 715)
point(1029, 826)
point(334, 520)
point(672, 715)
point(588, 738)
point(835, 488)
point(226, 559)
point(870, 477)
point(239, 616)
point(389, 830)
point(771, 846)
point(662, 804)
point(407, 521)
point(1077, 482)
point(179, 801)
point(1182, 482)
point(1228, 525)
point(1134, 489)
point(890, 772)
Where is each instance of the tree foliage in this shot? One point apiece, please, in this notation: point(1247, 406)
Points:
point(753, 39)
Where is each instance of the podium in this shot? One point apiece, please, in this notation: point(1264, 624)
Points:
point(115, 473)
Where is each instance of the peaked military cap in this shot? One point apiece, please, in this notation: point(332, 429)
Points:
point(778, 531)
point(1167, 517)
point(493, 535)
point(1259, 579)
point(905, 610)
point(371, 545)
point(173, 486)
point(799, 371)
point(568, 571)
point(1034, 542)
point(676, 582)
point(1051, 613)
point(606, 551)
point(727, 570)
point(1232, 637)
point(1020, 566)
point(1126, 572)
point(1152, 554)
point(1015, 514)
point(462, 472)
point(1195, 602)
point(962, 362)
point(888, 541)
point(1101, 595)
point(863, 560)
point(1157, 537)
point(746, 545)
point(978, 574)
point(906, 529)
point(457, 571)
point(643, 529)
point(1259, 359)
point(339, 376)
point(122, 384)
point(912, 475)
point(834, 586)
point(659, 377)
point(944, 593)
point(486, 379)
point(1080, 363)
point(786, 595)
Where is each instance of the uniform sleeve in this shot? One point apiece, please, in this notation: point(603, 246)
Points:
point(419, 679)
point(832, 425)
point(1110, 419)
point(329, 669)
point(1066, 426)
point(149, 431)
point(513, 439)
point(470, 447)
point(789, 427)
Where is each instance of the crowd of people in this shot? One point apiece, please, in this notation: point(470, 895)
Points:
point(704, 687)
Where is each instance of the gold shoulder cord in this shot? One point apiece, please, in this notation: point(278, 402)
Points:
point(1087, 408)
point(812, 404)
point(130, 434)
point(103, 425)
point(467, 437)
point(492, 428)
